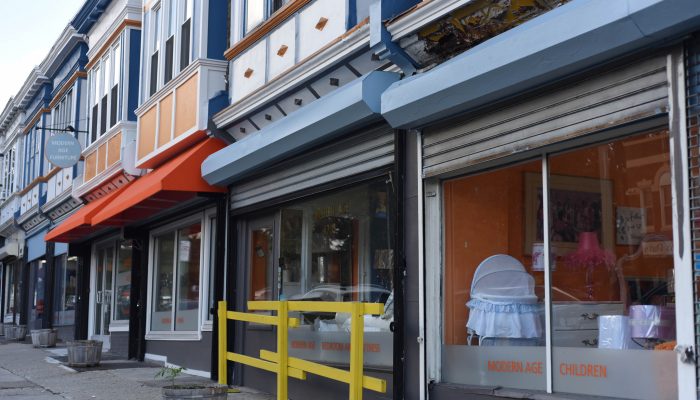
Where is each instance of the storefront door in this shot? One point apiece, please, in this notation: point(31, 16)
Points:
point(102, 293)
point(260, 255)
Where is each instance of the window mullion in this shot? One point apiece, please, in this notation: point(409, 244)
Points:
point(175, 279)
point(547, 274)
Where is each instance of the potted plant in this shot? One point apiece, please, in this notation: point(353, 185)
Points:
point(84, 353)
point(43, 337)
point(188, 390)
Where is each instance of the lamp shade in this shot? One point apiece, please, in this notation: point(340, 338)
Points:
point(588, 254)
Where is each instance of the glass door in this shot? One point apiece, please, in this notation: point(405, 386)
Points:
point(261, 258)
point(102, 300)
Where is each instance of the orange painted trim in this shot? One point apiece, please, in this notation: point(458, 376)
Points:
point(34, 120)
point(64, 89)
point(38, 180)
point(266, 27)
point(111, 40)
point(162, 156)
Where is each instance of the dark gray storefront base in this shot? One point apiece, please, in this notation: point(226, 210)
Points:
point(65, 333)
point(119, 344)
point(192, 354)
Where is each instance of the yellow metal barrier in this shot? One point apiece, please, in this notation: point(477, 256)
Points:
point(285, 366)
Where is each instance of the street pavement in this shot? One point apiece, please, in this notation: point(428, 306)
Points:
point(39, 374)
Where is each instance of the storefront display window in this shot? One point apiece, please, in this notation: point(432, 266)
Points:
point(122, 281)
point(337, 247)
point(11, 290)
point(608, 209)
point(65, 284)
point(175, 301)
point(37, 280)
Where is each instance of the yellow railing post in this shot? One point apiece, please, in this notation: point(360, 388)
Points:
point(357, 328)
point(282, 351)
point(223, 322)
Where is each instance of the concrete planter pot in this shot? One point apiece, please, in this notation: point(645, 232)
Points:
point(43, 337)
point(84, 353)
point(20, 332)
point(9, 331)
point(186, 392)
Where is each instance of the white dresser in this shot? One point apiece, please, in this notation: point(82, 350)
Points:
point(575, 324)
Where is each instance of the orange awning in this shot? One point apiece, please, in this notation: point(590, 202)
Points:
point(80, 223)
point(177, 180)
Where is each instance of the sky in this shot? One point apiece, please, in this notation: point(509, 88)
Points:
point(28, 30)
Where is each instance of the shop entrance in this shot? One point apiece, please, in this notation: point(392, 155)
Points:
point(102, 295)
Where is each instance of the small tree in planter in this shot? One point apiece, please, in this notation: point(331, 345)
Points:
point(188, 390)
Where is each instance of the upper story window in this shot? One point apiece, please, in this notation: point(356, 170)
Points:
point(8, 168)
point(62, 113)
point(32, 150)
point(104, 97)
point(168, 41)
point(257, 11)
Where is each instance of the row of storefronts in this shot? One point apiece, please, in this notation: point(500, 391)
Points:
point(521, 200)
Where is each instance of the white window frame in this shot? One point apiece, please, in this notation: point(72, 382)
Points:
point(208, 244)
point(173, 334)
point(106, 83)
point(184, 11)
point(118, 325)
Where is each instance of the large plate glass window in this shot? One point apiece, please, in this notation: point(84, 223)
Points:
point(611, 259)
point(65, 293)
point(335, 247)
point(175, 302)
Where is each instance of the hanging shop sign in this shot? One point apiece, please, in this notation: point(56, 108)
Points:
point(63, 150)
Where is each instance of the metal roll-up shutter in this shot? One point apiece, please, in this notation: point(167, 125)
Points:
point(629, 93)
point(361, 152)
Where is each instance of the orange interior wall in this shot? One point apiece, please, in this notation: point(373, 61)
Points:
point(258, 264)
point(485, 215)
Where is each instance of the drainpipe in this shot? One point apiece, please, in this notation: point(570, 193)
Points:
point(380, 38)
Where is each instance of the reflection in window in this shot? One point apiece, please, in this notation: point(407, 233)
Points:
point(612, 290)
point(122, 284)
point(612, 268)
point(336, 247)
point(66, 270)
point(176, 280)
point(257, 11)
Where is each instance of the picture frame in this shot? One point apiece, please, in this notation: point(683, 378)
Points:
point(577, 204)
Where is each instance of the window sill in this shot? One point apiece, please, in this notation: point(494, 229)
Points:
point(207, 326)
point(184, 336)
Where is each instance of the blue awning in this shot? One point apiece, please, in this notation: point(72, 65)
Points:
point(349, 107)
point(570, 38)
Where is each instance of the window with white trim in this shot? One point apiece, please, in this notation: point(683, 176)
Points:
point(168, 42)
point(179, 266)
point(8, 168)
point(258, 11)
point(104, 97)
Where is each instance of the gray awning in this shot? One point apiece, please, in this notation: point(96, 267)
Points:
point(575, 36)
point(347, 108)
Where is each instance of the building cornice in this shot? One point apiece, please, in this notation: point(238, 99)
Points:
point(63, 46)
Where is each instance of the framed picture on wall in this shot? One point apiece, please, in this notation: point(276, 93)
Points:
point(576, 204)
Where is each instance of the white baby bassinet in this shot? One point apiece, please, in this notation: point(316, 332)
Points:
point(503, 303)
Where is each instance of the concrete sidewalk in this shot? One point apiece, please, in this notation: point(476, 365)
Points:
point(29, 373)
